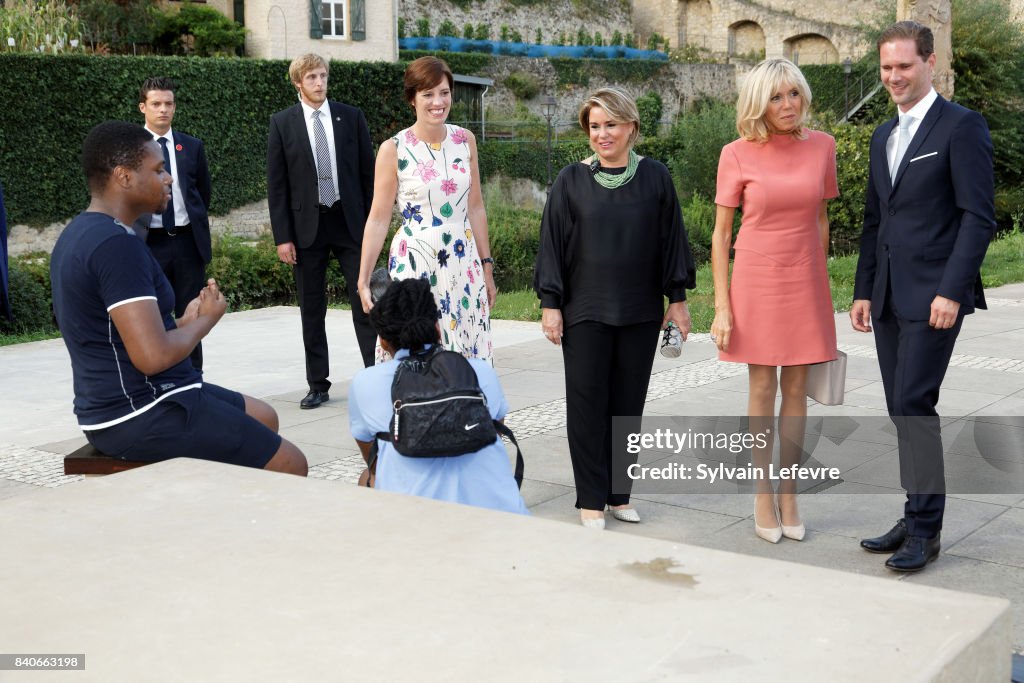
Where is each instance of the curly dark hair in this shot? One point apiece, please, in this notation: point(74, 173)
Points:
point(405, 315)
point(109, 145)
point(155, 83)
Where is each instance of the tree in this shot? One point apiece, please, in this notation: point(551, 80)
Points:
point(988, 59)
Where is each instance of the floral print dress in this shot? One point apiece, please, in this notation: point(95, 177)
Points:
point(436, 242)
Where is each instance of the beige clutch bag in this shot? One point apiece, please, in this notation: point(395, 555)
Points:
point(826, 382)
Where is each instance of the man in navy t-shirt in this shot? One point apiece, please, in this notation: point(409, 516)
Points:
point(137, 395)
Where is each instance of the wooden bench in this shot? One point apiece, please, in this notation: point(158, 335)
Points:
point(88, 460)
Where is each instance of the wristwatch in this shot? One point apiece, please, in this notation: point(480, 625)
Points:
point(487, 260)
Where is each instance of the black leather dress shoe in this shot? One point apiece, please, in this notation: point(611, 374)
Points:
point(314, 398)
point(914, 554)
point(889, 542)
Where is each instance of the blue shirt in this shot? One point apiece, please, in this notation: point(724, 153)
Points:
point(97, 265)
point(482, 478)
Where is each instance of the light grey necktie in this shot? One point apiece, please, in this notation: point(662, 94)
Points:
point(901, 144)
point(324, 177)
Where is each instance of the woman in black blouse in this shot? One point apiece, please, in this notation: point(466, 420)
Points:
point(612, 244)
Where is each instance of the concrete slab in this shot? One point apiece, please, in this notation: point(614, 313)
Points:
point(10, 489)
point(172, 590)
point(998, 541)
point(984, 578)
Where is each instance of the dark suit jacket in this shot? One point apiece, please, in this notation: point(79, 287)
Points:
point(291, 173)
point(194, 180)
point(926, 233)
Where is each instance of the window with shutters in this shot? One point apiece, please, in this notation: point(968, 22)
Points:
point(334, 18)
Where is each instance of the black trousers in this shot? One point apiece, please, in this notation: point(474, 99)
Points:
point(607, 370)
point(913, 358)
point(332, 237)
point(179, 258)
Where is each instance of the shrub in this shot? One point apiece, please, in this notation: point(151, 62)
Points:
point(514, 237)
point(29, 295)
point(503, 33)
point(616, 39)
point(422, 28)
point(988, 58)
point(200, 30)
point(515, 36)
point(538, 37)
point(650, 108)
point(598, 40)
point(699, 219)
point(119, 25)
point(467, 31)
point(447, 28)
point(401, 28)
point(697, 139)
point(523, 85)
point(846, 214)
point(583, 38)
point(483, 32)
point(656, 42)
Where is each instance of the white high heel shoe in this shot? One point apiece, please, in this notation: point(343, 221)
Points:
point(626, 515)
point(770, 534)
point(595, 523)
point(795, 533)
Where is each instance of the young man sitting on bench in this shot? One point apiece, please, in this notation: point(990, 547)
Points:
point(137, 395)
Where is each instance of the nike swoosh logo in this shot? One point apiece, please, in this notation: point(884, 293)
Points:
point(468, 427)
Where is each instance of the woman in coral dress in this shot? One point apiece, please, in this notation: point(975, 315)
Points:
point(431, 170)
point(777, 310)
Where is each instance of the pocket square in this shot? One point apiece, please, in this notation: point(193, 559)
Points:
point(923, 156)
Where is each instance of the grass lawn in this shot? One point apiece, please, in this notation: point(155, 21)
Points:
point(1004, 264)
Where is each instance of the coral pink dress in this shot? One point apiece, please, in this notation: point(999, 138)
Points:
point(780, 296)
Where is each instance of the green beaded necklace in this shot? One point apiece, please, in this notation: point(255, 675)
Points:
point(614, 180)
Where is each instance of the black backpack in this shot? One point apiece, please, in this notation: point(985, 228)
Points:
point(440, 410)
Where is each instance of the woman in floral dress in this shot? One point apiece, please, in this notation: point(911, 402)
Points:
point(431, 170)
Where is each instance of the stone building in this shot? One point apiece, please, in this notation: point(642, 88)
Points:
point(350, 30)
point(824, 32)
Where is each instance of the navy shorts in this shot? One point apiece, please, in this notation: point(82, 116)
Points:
point(208, 423)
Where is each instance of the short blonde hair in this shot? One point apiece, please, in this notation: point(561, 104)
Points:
point(763, 81)
point(619, 106)
point(303, 64)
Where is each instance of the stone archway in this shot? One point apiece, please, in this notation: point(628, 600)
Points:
point(811, 48)
point(695, 23)
point(746, 40)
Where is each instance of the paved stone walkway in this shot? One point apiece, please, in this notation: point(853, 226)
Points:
point(981, 539)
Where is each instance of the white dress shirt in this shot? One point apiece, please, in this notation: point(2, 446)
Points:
point(325, 118)
point(180, 214)
point(916, 114)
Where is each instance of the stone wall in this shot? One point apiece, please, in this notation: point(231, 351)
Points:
point(1017, 10)
point(249, 221)
point(550, 16)
point(822, 32)
point(678, 84)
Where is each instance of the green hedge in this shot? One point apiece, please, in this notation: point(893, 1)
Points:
point(29, 289)
point(465, 63)
point(251, 276)
point(52, 102)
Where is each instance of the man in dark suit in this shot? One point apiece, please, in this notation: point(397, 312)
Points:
point(319, 189)
point(928, 219)
point(179, 237)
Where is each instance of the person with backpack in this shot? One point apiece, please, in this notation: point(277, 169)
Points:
point(451, 388)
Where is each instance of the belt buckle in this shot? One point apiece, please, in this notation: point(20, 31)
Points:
point(171, 230)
